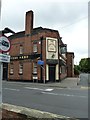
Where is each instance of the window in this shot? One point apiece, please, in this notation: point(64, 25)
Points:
point(35, 47)
point(21, 49)
point(11, 68)
point(20, 68)
point(63, 69)
point(35, 68)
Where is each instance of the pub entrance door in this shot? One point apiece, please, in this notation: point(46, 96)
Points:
point(52, 73)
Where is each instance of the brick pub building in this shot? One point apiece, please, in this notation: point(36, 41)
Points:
point(36, 46)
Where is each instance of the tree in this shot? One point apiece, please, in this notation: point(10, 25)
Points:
point(76, 69)
point(84, 65)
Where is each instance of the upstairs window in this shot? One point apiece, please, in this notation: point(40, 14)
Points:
point(21, 49)
point(35, 47)
point(63, 69)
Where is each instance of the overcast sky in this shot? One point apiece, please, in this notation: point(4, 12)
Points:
point(70, 18)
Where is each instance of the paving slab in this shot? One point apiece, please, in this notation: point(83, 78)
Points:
point(26, 113)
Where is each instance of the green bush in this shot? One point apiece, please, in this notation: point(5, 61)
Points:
point(76, 70)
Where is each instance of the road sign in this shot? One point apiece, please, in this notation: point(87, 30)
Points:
point(4, 58)
point(40, 62)
point(4, 44)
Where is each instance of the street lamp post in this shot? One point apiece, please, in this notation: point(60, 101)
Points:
point(41, 62)
point(44, 74)
point(41, 38)
point(42, 68)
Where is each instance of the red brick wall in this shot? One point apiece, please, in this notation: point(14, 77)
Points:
point(63, 75)
point(70, 69)
point(15, 45)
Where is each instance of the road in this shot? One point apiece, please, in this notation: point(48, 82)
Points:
point(71, 102)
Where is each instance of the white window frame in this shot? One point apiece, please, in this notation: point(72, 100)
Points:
point(21, 49)
point(35, 68)
point(11, 69)
point(35, 48)
point(20, 68)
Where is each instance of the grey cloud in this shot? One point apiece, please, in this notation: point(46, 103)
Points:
point(62, 13)
point(81, 51)
point(45, 14)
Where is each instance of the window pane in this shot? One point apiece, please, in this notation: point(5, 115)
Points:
point(21, 49)
point(35, 68)
point(11, 69)
point(20, 68)
point(35, 47)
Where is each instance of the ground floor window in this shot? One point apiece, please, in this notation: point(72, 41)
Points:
point(20, 68)
point(63, 69)
point(35, 68)
point(11, 68)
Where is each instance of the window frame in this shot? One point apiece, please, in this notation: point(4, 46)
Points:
point(34, 68)
point(35, 47)
point(20, 68)
point(11, 69)
point(21, 50)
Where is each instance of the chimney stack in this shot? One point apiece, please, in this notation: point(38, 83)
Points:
point(29, 22)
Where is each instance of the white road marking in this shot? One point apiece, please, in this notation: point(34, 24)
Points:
point(48, 90)
point(68, 95)
point(11, 89)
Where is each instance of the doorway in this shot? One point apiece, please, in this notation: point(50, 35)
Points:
point(52, 73)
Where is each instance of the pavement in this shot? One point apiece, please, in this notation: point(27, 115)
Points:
point(30, 114)
point(69, 82)
point(65, 83)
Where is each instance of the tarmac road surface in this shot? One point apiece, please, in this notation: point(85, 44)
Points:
point(71, 102)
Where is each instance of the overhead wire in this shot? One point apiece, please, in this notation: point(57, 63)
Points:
point(74, 22)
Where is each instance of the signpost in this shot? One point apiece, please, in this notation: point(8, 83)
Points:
point(4, 58)
point(4, 47)
point(41, 63)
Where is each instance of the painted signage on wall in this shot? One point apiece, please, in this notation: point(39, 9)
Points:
point(51, 48)
point(51, 45)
